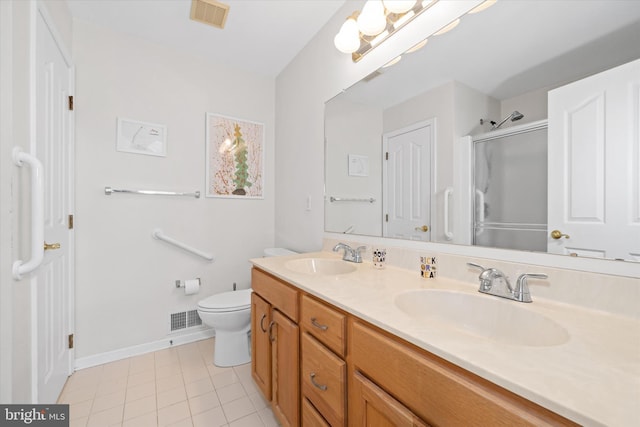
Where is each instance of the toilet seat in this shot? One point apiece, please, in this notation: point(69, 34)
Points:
point(226, 302)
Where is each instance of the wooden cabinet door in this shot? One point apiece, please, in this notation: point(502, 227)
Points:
point(261, 345)
point(371, 406)
point(311, 417)
point(285, 395)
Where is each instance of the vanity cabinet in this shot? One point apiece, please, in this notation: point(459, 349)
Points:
point(410, 386)
point(275, 345)
point(320, 366)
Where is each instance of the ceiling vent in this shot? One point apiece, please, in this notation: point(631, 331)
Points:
point(209, 12)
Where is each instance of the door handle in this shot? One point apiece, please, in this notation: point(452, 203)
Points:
point(424, 228)
point(51, 246)
point(557, 234)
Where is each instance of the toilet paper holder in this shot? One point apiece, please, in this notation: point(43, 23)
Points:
point(180, 283)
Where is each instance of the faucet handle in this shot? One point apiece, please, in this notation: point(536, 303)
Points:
point(521, 292)
point(473, 264)
point(485, 276)
point(357, 253)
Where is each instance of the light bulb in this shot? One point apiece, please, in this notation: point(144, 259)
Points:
point(394, 61)
point(372, 21)
point(399, 6)
point(487, 4)
point(447, 28)
point(418, 46)
point(348, 39)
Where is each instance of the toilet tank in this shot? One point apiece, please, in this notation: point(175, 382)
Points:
point(278, 252)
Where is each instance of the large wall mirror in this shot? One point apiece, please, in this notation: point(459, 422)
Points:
point(403, 146)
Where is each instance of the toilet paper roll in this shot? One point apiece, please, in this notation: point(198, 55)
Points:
point(191, 286)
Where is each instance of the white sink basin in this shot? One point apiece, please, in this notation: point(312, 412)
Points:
point(320, 266)
point(500, 320)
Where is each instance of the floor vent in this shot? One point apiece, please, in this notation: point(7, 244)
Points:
point(183, 320)
point(209, 12)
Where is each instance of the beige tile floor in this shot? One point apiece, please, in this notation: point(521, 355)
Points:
point(178, 386)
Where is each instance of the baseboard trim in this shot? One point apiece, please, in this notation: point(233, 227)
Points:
point(123, 353)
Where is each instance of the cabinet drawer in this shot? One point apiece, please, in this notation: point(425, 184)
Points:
point(371, 406)
point(436, 390)
point(325, 323)
point(311, 417)
point(323, 380)
point(276, 292)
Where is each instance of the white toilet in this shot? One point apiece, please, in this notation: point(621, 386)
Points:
point(229, 313)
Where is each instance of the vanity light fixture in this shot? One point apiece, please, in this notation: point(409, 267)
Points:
point(379, 19)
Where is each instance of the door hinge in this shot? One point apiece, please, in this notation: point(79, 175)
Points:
point(386, 155)
point(70, 223)
point(386, 217)
point(71, 341)
point(70, 102)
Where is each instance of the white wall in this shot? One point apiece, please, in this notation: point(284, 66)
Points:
point(532, 104)
point(125, 278)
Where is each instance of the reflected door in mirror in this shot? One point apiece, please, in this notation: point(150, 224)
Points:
point(408, 181)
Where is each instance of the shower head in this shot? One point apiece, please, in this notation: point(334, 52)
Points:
point(515, 116)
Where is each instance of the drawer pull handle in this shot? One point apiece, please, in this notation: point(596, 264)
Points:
point(313, 381)
point(271, 337)
point(264, 316)
point(315, 323)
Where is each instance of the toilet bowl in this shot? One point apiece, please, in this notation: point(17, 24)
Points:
point(229, 313)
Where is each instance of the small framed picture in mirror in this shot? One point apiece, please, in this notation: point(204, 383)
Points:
point(358, 165)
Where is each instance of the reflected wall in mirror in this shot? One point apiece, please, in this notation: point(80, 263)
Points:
point(506, 59)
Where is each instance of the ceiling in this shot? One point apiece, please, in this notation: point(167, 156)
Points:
point(513, 47)
point(260, 35)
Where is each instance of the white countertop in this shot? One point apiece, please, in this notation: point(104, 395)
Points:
point(592, 379)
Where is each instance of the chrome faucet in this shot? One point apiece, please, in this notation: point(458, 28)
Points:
point(350, 254)
point(495, 282)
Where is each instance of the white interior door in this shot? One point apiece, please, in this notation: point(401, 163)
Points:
point(594, 159)
point(53, 280)
point(407, 182)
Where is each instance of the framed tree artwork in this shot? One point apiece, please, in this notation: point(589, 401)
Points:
point(235, 157)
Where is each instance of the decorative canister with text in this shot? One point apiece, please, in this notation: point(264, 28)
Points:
point(379, 256)
point(428, 267)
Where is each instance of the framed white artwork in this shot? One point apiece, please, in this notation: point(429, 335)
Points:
point(358, 165)
point(139, 137)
